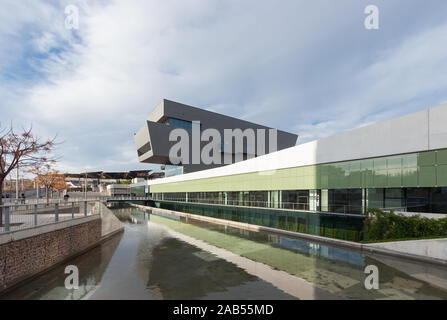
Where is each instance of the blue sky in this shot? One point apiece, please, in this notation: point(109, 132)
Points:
point(308, 67)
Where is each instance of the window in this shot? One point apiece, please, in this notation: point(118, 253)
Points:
point(418, 199)
point(394, 198)
point(146, 148)
point(345, 200)
point(188, 125)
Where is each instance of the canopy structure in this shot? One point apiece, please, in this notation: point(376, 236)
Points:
point(102, 175)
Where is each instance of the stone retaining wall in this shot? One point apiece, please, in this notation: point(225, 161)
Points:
point(28, 255)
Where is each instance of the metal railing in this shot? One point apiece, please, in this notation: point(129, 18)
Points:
point(22, 214)
point(398, 209)
point(30, 215)
point(28, 201)
point(274, 205)
point(127, 198)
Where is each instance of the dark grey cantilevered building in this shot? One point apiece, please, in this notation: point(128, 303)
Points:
point(153, 145)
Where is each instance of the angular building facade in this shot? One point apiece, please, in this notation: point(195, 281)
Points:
point(396, 164)
point(154, 145)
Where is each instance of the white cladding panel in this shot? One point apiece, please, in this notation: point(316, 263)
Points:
point(402, 135)
point(438, 127)
point(420, 131)
point(157, 113)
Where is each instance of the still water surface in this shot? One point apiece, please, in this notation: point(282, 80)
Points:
point(161, 256)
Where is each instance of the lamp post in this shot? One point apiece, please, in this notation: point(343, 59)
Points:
point(85, 186)
point(17, 182)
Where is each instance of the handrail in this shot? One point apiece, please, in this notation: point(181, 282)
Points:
point(346, 209)
point(19, 202)
point(30, 215)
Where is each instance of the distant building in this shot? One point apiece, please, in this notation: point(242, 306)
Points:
point(139, 187)
point(156, 175)
point(118, 190)
point(99, 180)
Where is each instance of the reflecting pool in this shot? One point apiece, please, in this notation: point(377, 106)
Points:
point(161, 256)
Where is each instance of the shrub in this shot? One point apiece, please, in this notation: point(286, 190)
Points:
point(381, 225)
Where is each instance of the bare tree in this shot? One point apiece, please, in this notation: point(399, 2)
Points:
point(22, 150)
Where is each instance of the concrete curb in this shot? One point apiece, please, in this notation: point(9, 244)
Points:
point(340, 243)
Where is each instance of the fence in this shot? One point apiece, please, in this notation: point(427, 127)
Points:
point(332, 208)
point(18, 214)
point(73, 199)
point(346, 209)
point(29, 215)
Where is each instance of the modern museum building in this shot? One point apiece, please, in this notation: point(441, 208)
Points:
point(398, 164)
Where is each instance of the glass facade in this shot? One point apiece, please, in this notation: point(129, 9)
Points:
point(351, 201)
point(171, 170)
point(327, 225)
point(432, 200)
point(414, 182)
point(292, 199)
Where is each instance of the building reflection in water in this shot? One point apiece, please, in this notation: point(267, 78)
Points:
point(338, 270)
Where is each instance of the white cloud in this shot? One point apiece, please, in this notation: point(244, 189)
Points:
point(401, 80)
point(286, 65)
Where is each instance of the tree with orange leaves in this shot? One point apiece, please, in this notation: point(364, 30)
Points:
point(49, 178)
point(60, 184)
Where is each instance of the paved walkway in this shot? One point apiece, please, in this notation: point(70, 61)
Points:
point(431, 248)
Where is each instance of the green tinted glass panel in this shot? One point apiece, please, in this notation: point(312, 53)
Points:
point(344, 168)
point(355, 179)
point(367, 164)
point(335, 171)
point(354, 166)
point(324, 169)
point(394, 178)
point(427, 176)
point(380, 163)
point(410, 177)
point(324, 181)
point(442, 175)
point(368, 173)
point(367, 178)
point(343, 181)
point(394, 162)
point(426, 158)
point(442, 157)
point(380, 178)
point(410, 160)
point(334, 183)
